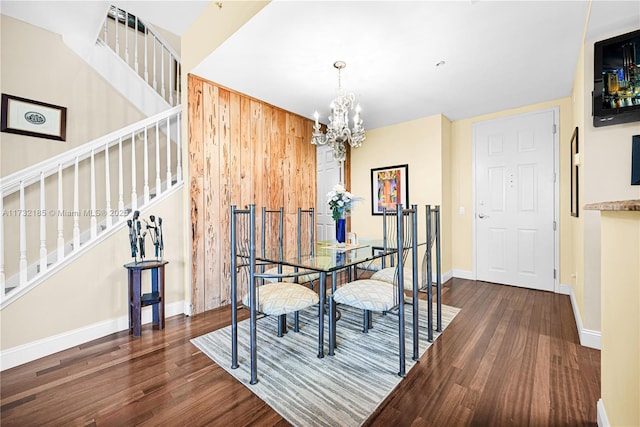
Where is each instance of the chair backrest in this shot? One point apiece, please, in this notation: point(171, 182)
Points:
point(399, 229)
point(243, 247)
point(433, 236)
point(306, 231)
point(272, 232)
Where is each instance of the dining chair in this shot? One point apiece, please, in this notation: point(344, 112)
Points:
point(425, 270)
point(305, 241)
point(260, 296)
point(370, 295)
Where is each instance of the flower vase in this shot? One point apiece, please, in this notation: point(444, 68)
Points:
point(341, 231)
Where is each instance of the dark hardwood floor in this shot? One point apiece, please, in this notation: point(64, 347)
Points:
point(510, 358)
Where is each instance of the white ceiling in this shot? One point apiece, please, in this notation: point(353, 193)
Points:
point(498, 54)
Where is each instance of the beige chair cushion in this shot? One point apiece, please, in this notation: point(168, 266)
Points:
point(287, 269)
point(366, 294)
point(374, 265)
point(282, 298)
point(386, 275)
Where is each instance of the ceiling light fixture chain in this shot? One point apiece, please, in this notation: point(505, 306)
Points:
point(338, 131)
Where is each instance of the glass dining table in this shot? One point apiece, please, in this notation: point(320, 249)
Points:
point(328, 260)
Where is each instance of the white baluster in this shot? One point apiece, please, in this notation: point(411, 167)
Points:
point(134, 195)
point(107, 180)
point(23, 238)
point(146, 167)
point(43, 226)
point(146, 66)
point(162, 65)
point(120, 180)
point(135, 40)
point(158, 181)
point(155, 73)
point(2, 278)
point(169, 184)
point(76, 209)
point(93, 220)
point(116, 27)
point(126, 38)
point(179, 78)
point(171, 79)
point(178, 150)
point(60, 216)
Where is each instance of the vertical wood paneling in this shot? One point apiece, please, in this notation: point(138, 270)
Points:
point(256, 142)
point(241, 151)
point(246, 153)
point(235, 148)
point(277, 154)
point(196, 168)
point(211, 190)
point(225, 196)
point(290, 194)
point(267, 113)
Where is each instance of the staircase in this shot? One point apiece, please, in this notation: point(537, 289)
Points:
point(56, 210)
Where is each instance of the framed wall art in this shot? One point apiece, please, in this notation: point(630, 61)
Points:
point(575, 150)
point(33, 118)
point(389, 187)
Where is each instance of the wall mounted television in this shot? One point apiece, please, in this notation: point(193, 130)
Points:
point(616, 74)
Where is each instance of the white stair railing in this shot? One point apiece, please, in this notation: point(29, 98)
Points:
point(54, 209)
point(152, 58)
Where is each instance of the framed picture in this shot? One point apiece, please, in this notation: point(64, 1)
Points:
point(33, 118)
point(389, 187)
point(574, 173)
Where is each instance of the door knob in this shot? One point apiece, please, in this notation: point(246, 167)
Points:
point(483, 216)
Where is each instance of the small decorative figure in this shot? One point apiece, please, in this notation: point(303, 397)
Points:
point(133, 241)
point(137, 236)
point(155, 232)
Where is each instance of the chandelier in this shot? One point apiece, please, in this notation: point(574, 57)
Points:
point(338, 132)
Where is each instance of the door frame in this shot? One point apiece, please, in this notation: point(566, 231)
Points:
point(556, 189)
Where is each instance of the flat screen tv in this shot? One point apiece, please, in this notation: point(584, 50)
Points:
point(616, 74)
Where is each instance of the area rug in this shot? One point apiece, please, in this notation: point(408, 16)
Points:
point(336, 390)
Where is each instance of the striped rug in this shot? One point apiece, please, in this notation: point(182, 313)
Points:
point(342, 390)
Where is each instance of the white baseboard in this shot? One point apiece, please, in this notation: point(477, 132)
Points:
point(588, 337)
point(603, 421)
point(44, 347)
point(446, 276)
point(463, 274)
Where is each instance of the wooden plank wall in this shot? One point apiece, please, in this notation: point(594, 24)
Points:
point(241, 151)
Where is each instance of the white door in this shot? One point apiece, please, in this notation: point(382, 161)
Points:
point(328, 176)
point(515, 200)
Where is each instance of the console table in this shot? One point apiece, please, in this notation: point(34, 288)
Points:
point(137, 299)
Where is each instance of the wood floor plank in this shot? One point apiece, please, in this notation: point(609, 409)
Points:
point(511, 357)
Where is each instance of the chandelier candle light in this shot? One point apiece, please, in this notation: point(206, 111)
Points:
point(338, 131)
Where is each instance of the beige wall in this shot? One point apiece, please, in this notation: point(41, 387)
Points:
point(577, 223)
point(93, 107)
point(462, 184)
point(424, 145)
point(93, 289)
point(606, 177)
point(620, 362)
point(36, 64)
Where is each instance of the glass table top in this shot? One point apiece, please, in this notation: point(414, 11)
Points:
point(327, 257)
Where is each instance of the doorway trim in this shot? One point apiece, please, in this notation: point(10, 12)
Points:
point(556, 189)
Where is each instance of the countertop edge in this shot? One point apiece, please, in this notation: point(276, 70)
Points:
point(620, 205)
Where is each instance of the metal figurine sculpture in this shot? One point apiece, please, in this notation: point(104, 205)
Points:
point(136, 237)
point(155, 232)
